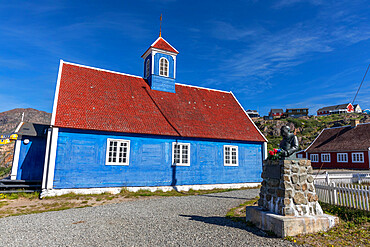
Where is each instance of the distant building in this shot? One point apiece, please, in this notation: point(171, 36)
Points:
point(252, 113)
point(276, 113)
point(29, 151)
point(296, 112)
point(357, 108)
point(342, 147)
point(335, 109)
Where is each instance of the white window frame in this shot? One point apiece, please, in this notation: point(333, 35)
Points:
point(361, 157)
point(165, 70)
point(314, 157)
point(117, 163)
point(147, 68)
point(181, 163)
point(342, 157)
point(323, 159)
point(232, 147)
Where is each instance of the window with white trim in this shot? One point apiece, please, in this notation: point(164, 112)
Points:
point(314, 157)
point(118, 152)
point(180, 154)
point(163, 67)
point(325, 157)
point(358, 157)
point(342, 157)
point(147, 68)
point(230, 155)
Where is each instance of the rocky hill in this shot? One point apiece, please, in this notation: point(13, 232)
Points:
point(306, 128)
point(9, 120)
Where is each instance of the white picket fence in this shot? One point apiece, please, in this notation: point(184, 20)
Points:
point(343, 178)
point(348, 195)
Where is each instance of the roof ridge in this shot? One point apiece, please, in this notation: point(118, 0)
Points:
point(344, 126)
point(159, 38)
point(334, 106)
point(99, 69)
point(218, 90)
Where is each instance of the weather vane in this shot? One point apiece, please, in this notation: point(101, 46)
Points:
point(160, 26)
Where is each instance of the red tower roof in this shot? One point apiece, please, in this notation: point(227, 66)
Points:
point(162, 44)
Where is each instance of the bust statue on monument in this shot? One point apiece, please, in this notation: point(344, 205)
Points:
point(288, 203)
point(289, 145)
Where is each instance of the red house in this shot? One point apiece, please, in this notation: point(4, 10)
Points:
point(341, 147)
point(276, 113)
point(335, 109)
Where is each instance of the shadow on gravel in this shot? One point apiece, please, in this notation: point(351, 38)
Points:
point(223, 221)
point(227, 197)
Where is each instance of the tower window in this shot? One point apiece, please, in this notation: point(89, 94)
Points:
point(163, 67)
point(147, 68)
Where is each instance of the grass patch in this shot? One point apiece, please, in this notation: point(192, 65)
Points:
point(143, 193)
point(14, 196)
point(237, 214)
point(355, 216)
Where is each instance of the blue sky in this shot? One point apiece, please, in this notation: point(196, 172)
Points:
point(271, 54)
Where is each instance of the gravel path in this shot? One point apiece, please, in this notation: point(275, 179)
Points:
point(172, 221)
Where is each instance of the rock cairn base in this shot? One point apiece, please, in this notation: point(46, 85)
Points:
point(288, 189)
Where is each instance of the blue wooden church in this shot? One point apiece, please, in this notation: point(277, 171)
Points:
point(111, 130)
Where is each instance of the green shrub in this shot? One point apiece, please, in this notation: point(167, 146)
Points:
point(297, 122)
point(4, 171)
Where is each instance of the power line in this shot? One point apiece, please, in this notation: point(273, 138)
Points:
point(360, 84)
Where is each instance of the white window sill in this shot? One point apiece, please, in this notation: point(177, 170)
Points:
point(114, 164)
point(180, 164)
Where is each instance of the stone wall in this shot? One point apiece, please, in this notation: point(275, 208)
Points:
point(288, 189)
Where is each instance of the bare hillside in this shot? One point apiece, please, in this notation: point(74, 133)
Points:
point(9, 120)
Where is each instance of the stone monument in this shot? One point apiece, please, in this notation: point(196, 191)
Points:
point(288, 203)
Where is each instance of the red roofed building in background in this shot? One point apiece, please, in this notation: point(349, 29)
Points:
point(113, 130)
point(335, 109)
point(342, 147)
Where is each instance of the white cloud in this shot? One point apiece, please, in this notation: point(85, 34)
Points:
point(226, 31)
point(288, 3)
point(264, 53)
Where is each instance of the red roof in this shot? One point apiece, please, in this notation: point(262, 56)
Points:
point(344, 138)
point(94, 99)
point(162, 44)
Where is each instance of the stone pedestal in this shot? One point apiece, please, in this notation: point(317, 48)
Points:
point(284, 226)
point(288, 199)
